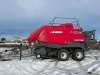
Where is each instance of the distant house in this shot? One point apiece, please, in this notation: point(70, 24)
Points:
point(17, 40)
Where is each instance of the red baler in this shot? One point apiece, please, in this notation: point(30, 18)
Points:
point(60, 40)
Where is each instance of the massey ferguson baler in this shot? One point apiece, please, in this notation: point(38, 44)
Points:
point(61, 40)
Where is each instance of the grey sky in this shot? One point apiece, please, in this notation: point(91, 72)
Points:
point(23, 16)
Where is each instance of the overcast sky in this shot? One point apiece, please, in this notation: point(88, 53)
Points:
point(23, 16)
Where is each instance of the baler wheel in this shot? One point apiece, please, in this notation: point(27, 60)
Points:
point(78, 55)
point(38, 56)
point(63, 55)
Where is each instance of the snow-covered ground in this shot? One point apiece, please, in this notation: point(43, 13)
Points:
point(29, 65)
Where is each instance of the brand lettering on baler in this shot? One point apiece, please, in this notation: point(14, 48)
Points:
point(79, 40)
point(59, 32)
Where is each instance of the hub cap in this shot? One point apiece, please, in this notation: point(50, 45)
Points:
point(79, 55)
point(38, 56)
point(63, 55)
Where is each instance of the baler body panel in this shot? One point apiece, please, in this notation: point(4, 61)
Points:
point(34, 35)
point(61, 34)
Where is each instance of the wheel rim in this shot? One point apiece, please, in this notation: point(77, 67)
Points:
point(79, 55)
point(38, 56)
point(63, 55)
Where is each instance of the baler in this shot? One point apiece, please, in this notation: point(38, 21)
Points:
point(61, 40)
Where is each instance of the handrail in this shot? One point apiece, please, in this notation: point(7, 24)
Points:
point(76, 21)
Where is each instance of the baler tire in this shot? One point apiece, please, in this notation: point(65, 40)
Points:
point(63, 55)
point(78, 55)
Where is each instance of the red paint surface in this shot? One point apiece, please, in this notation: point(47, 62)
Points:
point(61, 34)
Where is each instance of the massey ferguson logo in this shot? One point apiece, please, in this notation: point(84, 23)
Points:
point(59, 32)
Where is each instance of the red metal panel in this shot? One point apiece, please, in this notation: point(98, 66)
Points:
point(57, 34)
point(35, 34)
